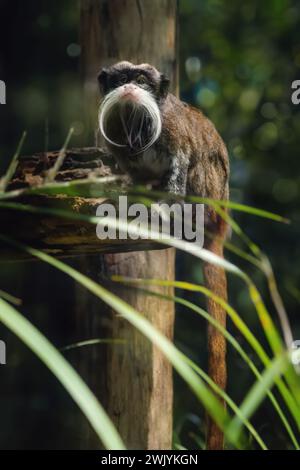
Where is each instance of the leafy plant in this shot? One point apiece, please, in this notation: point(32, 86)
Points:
point(191, 373)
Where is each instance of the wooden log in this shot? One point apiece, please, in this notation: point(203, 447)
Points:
point(78, 163)
point(59, 236)
point(134, 381)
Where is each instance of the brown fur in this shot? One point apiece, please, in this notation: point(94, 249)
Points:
point(190, 158)
point(215, 280)
point(208, 175)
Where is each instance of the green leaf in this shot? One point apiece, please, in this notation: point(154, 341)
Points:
point(238, 322)
point(95, 188)
point(191, 248)
point(4, 181)
point(238, 412)
point(92, 342)
point(235, 345)
point(176, 358)
point(210, 202)
point(60, 159)
point(206, 256)
point(65, 373)
point(258, 392)
point(10, 298)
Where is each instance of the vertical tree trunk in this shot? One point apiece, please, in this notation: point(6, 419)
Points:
point(132, 380)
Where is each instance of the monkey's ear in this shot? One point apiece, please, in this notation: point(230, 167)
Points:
point(164, 85)
point(103, 80)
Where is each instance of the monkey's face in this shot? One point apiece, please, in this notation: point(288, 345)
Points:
point(129, 114)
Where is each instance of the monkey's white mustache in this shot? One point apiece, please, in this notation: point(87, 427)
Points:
point(144, 111)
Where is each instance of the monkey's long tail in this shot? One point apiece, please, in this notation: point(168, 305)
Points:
point(215, 280)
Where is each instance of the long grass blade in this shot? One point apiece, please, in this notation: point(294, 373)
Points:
point(176, 358)
point(268, 326)
point(237, 321)
point(64, 372)
point(234, 344)
point(92, 342)
point(230, 403)
point(205, 255)
point(60, 159)
point(258, 392)
point(4, 181)
point(82, 188)
point(10, 298)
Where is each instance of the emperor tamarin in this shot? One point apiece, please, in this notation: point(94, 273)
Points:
point(157, 138)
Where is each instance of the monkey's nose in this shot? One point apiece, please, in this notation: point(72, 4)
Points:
point(130, 86)
point(129, 92)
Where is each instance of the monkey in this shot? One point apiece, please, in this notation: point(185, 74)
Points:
point(154, 136)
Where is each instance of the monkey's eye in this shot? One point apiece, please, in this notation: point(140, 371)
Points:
point(141, 79)
point(122, 79)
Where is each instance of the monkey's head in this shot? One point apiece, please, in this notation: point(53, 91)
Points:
point(129, 115)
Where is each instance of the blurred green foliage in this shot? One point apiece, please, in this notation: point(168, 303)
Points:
point(237, 62)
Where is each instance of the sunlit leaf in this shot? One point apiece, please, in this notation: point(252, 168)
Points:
point(64, 372)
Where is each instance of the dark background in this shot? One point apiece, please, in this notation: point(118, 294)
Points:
point(237, 62)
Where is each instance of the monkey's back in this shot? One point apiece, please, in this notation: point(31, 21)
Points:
point(187, 128)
